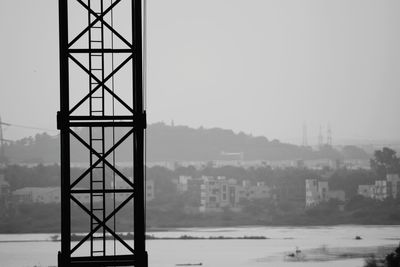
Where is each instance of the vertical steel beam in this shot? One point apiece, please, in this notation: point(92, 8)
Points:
point(62, 124)
point(139, 204)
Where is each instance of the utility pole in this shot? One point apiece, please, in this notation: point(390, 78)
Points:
point(3, 158)
point(106, 57)
point(305, 138)
point(320, 138)
point(2, 154)
point(329, 136)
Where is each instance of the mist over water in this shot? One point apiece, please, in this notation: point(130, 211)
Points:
point(315, 242)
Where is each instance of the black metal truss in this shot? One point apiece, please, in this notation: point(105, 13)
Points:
point(98, 119)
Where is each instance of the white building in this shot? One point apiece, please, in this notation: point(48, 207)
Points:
point(216, 194)
point(121, 184)
point(210, 194)
point(44, 195)
point(149, 190)
point(182, 183)
point(367, 191)
point(47, 195)
point(394, 182)
point(220, 192)
point(318, 191)
point(382, 189)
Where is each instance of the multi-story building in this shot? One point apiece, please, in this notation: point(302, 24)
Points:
point(394, 182)
point(48, 195)
point(382, 189)
point(318, 191)
point(45, 195)
point(217, 193)
point(210, 194)
point(149, 190)
point(182, 183)
point(220, 192)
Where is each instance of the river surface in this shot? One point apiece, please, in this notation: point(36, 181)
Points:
point(320, 246)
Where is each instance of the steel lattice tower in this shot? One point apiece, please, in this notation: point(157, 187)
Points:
point(96, 61)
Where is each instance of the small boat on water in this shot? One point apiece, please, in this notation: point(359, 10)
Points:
point(297, 255)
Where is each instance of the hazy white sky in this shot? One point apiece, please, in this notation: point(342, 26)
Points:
point(259, 66)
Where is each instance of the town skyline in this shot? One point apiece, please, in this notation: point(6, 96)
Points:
point(283, 64)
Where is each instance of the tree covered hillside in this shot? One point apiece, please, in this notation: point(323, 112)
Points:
point(175, 143)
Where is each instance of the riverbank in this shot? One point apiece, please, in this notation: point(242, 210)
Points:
point(46, 218)
point(323, 246)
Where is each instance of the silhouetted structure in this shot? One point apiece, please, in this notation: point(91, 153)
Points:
point(329, 136)
point(2, 153)
point(100, 51)
point(305, 138)
point(320, 138)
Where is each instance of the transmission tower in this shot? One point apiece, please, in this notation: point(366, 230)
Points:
point(305, 139)
point(101, 92)
point(2, 155)
point(329, 136)
point(320, 138)
point(3, 158)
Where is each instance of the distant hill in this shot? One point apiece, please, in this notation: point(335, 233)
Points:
point(178, 143)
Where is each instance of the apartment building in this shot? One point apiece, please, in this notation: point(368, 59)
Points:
point(218, 193)
point(382, 189)
point(182, 183)
point(318, 191)
point(394, 182)
point(45, 195)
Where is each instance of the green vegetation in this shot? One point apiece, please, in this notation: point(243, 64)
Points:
point(385, 161)
point(171, 209)
point(390, 260)
point(179, 143)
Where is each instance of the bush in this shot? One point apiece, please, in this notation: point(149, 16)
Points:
point(393, 259)
point(373, 262)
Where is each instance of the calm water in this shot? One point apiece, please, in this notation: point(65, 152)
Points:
point(217, 253)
